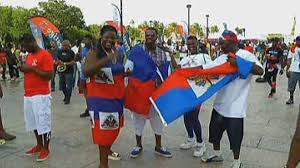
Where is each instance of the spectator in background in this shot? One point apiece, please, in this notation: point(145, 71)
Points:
point(76, 49)
point(86, 49)
point(3, 59)
point(274, 57)
point(54, 53)
point(12, 63)
point(293, 70)
point(66, 62)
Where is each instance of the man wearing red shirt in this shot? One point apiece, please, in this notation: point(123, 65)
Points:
point(38, 71)
point(3, 61)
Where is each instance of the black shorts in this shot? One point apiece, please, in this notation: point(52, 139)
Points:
point(233, 126)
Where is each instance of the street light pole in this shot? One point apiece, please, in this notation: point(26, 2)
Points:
point(120, 10)
point(121, 18)
point(189, 17)
point(207, 28)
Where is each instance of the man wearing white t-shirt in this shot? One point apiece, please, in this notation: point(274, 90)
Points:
point(293, 69)
point(231, 102)
point(191, 119)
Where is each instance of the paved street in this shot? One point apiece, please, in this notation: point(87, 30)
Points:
point(269, 127)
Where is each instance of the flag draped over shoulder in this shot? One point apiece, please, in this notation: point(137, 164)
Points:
point(142, 83)
point(49, 29)
point(186, 89)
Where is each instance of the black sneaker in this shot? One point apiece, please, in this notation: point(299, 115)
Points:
point(163, 152)
point(271, 95)
point(290, 101)
point(84, 114)
point(9, 137)
point(213, 158)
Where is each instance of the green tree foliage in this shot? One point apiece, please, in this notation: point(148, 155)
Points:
point(214, 29)
point(14, 23)
point(70, 21)
point(197, 30)
point(94, 30)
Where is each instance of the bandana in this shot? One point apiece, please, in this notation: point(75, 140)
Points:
point(229, 36)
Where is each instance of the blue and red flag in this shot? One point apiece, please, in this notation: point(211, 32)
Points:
point(49, 29)
point(142, 83)
point(186, 89)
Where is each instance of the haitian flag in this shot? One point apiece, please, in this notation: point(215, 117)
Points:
point(49, 29)
point(142, 83)
point(186, 89)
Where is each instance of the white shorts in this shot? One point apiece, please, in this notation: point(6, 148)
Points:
point(155, 121)
point(37, 113)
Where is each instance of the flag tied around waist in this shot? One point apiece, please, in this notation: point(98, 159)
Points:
point(186, 89)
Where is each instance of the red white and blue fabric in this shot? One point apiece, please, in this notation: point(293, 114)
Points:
point(178, 94)
point(142, 83)
point(107, 98)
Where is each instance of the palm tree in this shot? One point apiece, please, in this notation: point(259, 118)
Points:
point(239, 31)
point(214, 29)
point(197, 30)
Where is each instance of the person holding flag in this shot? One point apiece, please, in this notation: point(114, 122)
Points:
point(191, 119)
point(149, 66)
point(105, 74)
point(230, 105)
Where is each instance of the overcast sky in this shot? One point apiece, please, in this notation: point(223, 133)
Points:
point(257, 16)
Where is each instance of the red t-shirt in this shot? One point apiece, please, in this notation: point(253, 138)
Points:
point(249, 48)
point(2, 57)
point(34, 84)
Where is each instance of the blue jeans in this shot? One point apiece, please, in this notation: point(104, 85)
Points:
point(53, 81)
point(192, 125)
point(66, 84)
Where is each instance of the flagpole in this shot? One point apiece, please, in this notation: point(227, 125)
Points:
point(121, 19)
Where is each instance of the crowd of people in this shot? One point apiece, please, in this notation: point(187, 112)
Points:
point(109, 83)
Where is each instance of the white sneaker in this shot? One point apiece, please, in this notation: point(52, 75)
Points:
point(236, 164)
point(188, 144)
point(200, 149)
point(114, 156)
